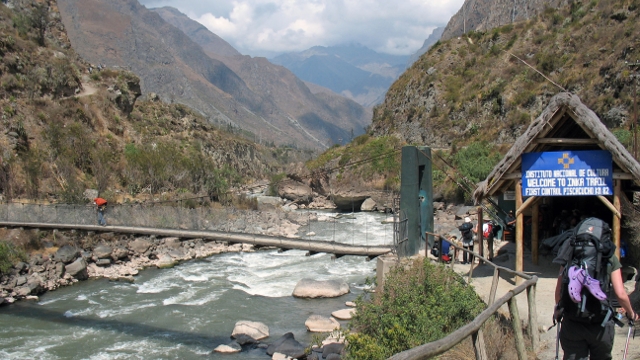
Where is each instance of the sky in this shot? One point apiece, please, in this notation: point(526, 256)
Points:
point(270, 27)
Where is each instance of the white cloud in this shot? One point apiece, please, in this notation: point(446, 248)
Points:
point(261, 27)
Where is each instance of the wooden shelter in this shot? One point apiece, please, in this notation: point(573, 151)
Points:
point(565, 124)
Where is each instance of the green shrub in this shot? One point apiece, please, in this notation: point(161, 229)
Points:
point(476, 160)
point(9, 255)
point(419, 303)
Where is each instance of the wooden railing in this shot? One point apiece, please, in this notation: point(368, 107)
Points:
point(474, 328)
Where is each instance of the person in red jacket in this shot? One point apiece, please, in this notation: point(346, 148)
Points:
point(101, 207)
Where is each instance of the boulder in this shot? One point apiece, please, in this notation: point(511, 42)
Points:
point(78, 269)
point(256, 330)
point(172, 242)
point(295, 191)
point(119, 253)
point(102, 251)
point(165, 261)
point(244, 339)
point(66, 254)
point(269, 202)
point(140, 246)
point(230, 348)
point(334, 348)
point(287, 345)
point(309, 288)
point(319, 323)
point(344, 314)
point(368, 205)
point(278, 356)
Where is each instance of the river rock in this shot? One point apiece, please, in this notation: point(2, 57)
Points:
point(230, 348)
point(279, 356)
point(309, 288)
point(165, 261)
point(102, 251)
point(66, 254)
point(140, 246)
point(319, 323)
point(119, 253)
point(103, 262)
point(244, 339)
point(344, 314)
point(288, 345)
point(333, 348)
point(266, 203)
point(368, 205)
point(256, 330)
point(350, 304)
point(295, 191)
point(78, 269)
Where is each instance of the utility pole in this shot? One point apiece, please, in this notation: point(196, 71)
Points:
point(634, 124)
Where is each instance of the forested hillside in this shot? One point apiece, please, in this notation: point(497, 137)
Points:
point(68, 126)
point(469, 98)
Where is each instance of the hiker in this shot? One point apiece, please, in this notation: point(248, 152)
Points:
point(467, 240)
point(453, 251)
point(101, 207)
point(487, 233)
point(510, 225)
point(583, 304)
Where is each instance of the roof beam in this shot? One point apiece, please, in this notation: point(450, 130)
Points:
point(565, 141)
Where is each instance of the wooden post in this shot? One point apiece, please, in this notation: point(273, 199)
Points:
point(616, 220)
point(478, 345)
point(533, 317)
point(534, 232)
point(479, 234)
point(494, 286)
point(519, 233)
point(517, 329)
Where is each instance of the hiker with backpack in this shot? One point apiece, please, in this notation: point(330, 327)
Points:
point(589, 278)
point(101, 207)
point(466, 230)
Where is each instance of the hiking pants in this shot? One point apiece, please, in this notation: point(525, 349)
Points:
point(465, 254)
point(582, 341)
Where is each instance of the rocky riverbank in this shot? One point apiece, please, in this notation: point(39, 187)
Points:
point(62, 258)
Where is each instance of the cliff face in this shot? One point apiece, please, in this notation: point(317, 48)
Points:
point(483, 15)
point(124, 34)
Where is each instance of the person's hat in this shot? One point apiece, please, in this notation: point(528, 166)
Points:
point(467, 219)
point(510, 211)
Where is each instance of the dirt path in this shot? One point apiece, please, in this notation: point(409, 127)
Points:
point(547, 274)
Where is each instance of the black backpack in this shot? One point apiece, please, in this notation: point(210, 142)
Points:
point(465, 230)
point(590, 248)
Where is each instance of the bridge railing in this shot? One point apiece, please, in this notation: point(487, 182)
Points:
point(474, 329)
point(365, 229)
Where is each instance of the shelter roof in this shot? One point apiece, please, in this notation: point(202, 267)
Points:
point(566, 123)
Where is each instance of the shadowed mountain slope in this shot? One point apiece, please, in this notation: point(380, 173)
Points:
point(124, 34)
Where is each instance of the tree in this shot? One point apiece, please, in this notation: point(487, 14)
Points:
point(39, 21)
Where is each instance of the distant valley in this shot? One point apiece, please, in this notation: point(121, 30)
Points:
point(183, 62)
point(353, 70)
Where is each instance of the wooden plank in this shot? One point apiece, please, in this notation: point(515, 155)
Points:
point(565, 141)
point(480, 234)
point(530, 201)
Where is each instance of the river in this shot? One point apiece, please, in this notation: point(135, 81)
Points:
point(186, 311)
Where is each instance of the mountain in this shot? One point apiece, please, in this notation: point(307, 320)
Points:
point(435, 35)
point(125, 34)
point(489, 85)
point(334, 113)
point(354, 71)
point(68, 126)
point(484, 15)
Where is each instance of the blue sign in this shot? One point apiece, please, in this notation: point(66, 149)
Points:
point(567, 173)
